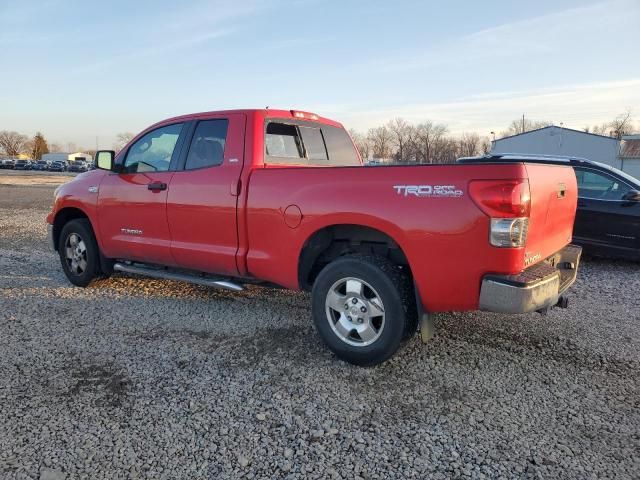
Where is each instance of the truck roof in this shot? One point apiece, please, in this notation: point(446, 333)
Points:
point(292, 114)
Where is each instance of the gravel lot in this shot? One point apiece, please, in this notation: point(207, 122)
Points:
point(136, 378)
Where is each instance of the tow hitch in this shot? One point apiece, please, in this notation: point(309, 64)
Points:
point(563, 302)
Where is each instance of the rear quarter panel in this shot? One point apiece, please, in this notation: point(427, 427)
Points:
point(444, 238)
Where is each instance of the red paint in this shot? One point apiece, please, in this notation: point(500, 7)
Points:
point(234, 219)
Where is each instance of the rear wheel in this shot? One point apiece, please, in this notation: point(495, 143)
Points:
point(362, 308)
point(78, 252)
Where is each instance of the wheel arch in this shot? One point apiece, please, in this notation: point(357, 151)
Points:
point(64, 216)
point(333, 241)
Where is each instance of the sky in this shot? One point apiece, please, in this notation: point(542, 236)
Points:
point(83, 71)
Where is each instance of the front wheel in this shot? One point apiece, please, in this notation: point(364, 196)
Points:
point(362, 308)
point(78, 251)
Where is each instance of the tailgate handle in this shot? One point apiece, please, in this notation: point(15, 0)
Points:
point(562, 190)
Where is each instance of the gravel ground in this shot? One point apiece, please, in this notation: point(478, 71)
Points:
point(136, 378)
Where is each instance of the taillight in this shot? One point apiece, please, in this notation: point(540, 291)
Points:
point(508, 203)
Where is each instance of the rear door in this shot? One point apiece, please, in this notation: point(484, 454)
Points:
point(132, 204)
point(603, 217)
point(203, 196)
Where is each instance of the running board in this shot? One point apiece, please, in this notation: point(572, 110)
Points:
point(179, 277)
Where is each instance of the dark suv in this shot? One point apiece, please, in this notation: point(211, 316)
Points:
point(608, 215)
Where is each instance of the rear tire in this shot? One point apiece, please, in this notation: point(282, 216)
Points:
point(78, 252)
point(363, 307)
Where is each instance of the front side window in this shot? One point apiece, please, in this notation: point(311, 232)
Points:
point(207, 145)
point(153, 152)
point(599, 186)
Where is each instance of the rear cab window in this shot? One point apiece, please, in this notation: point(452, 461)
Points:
point(296, 142)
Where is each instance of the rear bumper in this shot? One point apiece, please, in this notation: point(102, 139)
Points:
point(535, 288)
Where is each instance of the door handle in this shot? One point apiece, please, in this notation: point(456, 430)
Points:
point(157, 186)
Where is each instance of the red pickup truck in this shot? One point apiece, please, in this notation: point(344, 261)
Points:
point(281, 198)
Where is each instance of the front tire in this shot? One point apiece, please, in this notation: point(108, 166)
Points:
point(78, 252)
point(362, 308)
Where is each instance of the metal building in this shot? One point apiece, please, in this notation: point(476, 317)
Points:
point(630, 155)
point(554, 140)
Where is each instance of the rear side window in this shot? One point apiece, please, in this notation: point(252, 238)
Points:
point(309, 143)
point(207, 145)
point(340, 146)
point(313, 143)
point(282, 141)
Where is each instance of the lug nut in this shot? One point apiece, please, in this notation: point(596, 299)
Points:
point(349, 318)
point(360, 320)
point(346, 306)
point(354, 301)
point(363, 309)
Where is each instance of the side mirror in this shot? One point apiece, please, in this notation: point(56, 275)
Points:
point(631, 196)
point(105, 159)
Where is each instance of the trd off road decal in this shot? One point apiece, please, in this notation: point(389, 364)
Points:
point(428, 190)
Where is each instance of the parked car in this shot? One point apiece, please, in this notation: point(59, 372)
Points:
point(7, 163)
point(42, 165)
point(78, 166)
point(608, 216)
point(23, 165)
point(281, 197)
point(58, 166)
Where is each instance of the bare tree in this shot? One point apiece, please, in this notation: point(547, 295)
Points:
point(523, 125)
point(361, 142)
point(400, 131)
point(622, 125)
point(55, 148)
point(12, 143)
point(380, 139)
point(469, 144)
point(428, 137)
point(122, 139)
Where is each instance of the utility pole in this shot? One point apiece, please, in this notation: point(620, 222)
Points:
point(523, 123)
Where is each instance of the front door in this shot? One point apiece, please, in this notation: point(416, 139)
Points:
point(203, 196)
point(132, 204)
point(603, 216)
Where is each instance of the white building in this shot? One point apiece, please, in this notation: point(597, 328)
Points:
point(554, 140)
point(80, 156)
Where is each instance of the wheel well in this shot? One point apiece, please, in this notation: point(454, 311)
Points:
point(335, 241)
point(62, 217)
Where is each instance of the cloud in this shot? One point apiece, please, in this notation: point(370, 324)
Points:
point(575, 105)
point(154, 50)
point(542, 35)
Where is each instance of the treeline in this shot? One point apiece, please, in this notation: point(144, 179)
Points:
point(13, 144)
point(427, 142)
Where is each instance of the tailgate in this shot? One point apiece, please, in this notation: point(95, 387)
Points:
point(554, 197)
